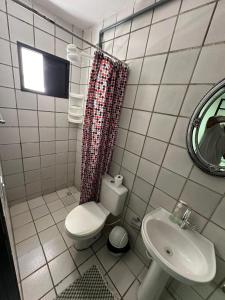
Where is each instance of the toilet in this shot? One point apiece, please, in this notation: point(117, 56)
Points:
point(85, 222)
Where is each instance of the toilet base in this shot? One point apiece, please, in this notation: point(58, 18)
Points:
point(85, 243)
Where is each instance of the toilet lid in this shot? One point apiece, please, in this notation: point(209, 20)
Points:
point(85, 219)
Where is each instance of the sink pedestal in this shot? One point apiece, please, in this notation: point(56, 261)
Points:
point(154, 283)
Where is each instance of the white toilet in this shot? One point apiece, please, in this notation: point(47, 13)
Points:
point(85, 222)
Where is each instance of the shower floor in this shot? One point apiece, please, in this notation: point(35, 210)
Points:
point(47, 260)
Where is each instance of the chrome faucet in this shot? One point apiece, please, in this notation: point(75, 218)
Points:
point(185, 219)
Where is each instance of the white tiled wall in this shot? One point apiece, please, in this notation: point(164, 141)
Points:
point(175, 55)
point(37, 143)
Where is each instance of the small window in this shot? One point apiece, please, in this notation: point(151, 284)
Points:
point(43, 73)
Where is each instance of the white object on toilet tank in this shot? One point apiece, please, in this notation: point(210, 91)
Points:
point(111, 196)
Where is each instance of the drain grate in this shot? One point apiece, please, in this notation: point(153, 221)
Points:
point(168, 251)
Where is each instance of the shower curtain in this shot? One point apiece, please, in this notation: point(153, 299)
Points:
point(105, 95)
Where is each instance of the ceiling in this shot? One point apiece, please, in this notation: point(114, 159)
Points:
point(84, 13)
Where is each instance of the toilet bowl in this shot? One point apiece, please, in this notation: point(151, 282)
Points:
point(85, 222)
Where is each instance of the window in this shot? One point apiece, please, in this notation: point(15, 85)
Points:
point(43, 73)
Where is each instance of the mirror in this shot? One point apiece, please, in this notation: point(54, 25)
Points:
point(206, 132)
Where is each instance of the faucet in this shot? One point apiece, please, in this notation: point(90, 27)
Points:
point(185, 219)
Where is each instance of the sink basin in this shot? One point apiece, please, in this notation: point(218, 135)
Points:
point(184, 254)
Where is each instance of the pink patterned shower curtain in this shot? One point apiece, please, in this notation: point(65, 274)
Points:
point(105, 96)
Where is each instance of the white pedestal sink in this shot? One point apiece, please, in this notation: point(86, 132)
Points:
point(185, 255)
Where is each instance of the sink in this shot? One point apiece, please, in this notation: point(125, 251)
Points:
point(183, 254)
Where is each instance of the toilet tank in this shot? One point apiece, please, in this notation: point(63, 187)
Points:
point(112, 197)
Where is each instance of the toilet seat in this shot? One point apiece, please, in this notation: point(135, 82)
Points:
point(86, 220)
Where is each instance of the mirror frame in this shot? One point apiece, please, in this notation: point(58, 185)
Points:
point(194, 123)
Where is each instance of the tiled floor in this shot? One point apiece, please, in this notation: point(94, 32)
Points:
point(48, 262)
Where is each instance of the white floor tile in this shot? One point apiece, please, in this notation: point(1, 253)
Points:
point(24, 232)
point(39, 212)
point(19, 208)
point(33, 203)
point(67, 281)
point(133, 262)
point(30, 256)
point(106, 258)
point(49, 296)
point(52, 242)
point(55, 205)
point(132, 292)
point(61, 226)
point(90, 262)
point(80, 257)
point(61, 266)
point(44, 223)
point(62, 193)
point(51, 197)
point(37, 285)
point(60, 215)
point(123, 282)
point(21, 219)
point(99, 243)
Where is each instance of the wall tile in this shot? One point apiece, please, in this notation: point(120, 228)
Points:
point(134, 142)
point(47, 148)
point(137, 205)
point(154, 150)
point(30, 149)
point(218, 216)
point(210, 67)
point(4, 33)
point(161, 126)
point(191, 28)
point(165, 11)
point(11, 151)
point(139, 121)
point(180, 66)
point(19, 12)
point(200, 199)
point(194, 94)
point(134, 70)
point(130, 161)
point(28, 118)
point(46, 119)
point(217, 236)
point(47, 134)
point(120, 47)
point(31, 163)
point(7, 97)
point(170, 183)
point(6, 76)
point(5, 57)
point(142, 188)
point(160, 199)
point(29, 135)
point(148, 171)
point(170, 99)
point(20, 31)
point(129, 96)
point(139, 38)
point(46, 103)
point(146, 95)
point(160, 36)
point(10, 117)
point(214, 183)
point(12, 166)
point(125, 117)
point(44, 41)
point(9, 135)
point(189, 4)
point(178, 160)
point(179, 134)
point(152, 69)
point(26, 100)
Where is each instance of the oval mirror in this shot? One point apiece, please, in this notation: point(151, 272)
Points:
point(206, 132)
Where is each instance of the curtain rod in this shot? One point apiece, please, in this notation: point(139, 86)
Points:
point(68, 31)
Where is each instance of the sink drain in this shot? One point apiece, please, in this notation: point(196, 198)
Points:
point(168, 251)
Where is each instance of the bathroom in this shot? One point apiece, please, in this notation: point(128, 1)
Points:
point(173, 56)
